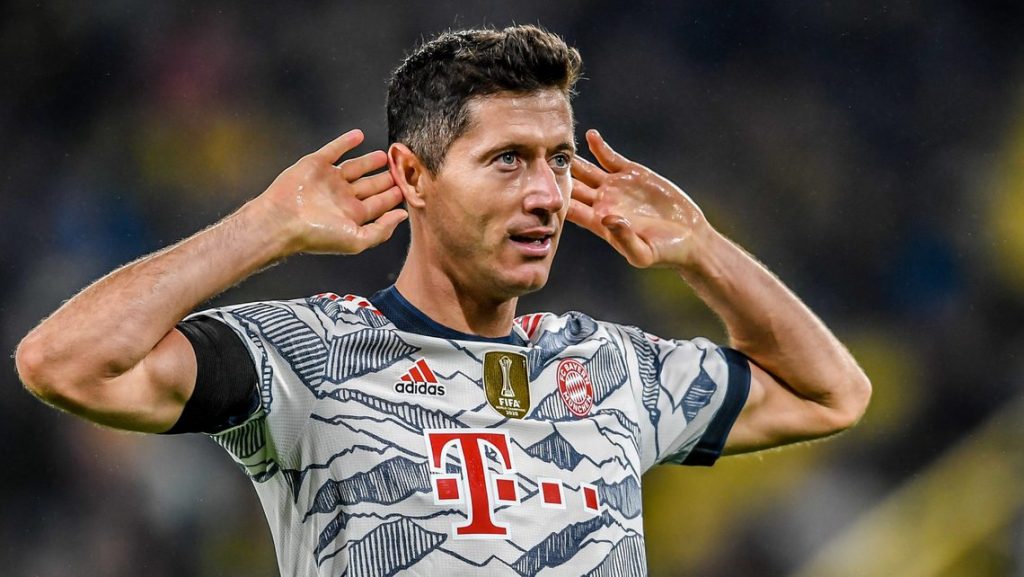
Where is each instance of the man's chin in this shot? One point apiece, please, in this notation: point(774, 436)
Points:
point(526, 284)
point(532, 288)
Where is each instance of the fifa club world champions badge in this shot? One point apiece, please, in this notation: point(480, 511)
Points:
point(507, 384)
point(575, 387)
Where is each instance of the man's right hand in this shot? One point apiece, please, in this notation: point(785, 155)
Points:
point(324, 206)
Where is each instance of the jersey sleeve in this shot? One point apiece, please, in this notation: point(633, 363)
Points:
point(689, 394)
point(288, 346)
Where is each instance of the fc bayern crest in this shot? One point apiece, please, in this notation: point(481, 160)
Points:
point(575, 387)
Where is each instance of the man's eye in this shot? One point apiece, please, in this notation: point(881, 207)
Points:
point(507, 158)
point(560, 161)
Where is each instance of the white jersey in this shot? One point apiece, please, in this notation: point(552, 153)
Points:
point(387, 451)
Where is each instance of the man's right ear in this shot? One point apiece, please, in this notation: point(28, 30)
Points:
point(409, 173)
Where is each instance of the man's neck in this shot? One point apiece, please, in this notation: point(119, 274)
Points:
point(442, 299)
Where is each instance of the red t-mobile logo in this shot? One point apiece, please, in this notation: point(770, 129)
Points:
point(484, 490)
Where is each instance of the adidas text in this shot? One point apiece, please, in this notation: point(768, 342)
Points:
point(420, 389)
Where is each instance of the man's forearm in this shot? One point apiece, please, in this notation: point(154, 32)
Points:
point(769, 324)
point(111, 325)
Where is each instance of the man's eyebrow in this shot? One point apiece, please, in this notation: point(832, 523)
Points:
point(492, 151)
point(570, 146)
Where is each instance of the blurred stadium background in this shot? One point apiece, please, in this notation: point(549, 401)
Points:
point(872, 154)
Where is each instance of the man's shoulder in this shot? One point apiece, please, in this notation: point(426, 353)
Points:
point(573, 325)
point(349, 310)
point(335, 305)
point(576, 327)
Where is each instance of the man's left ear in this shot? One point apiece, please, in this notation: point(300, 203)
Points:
point(409, 173)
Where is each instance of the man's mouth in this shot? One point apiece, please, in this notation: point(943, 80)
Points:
point(535, 242)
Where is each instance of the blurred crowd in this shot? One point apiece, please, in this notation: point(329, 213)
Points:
point(871, 154)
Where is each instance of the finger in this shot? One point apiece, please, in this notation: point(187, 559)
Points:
point(611, 161)
point(354, 168)
point(369, 185)
point(378, 204)
point(626, 242)
point(381, 229)
point(587, 172)
point(333, 150)
point(584, 193)
point(583, 216)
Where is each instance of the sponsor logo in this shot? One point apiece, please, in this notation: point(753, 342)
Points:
point(487, 481)
point(482, 489)
point(574, 385)
point(506, 383)
point(420, 380)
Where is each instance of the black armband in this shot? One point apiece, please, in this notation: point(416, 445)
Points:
point(712, 442)
point(226, 391)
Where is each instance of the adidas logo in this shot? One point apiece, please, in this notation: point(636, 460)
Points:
point(420, 380)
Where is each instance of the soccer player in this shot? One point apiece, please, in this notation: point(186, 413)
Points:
point(427, 429)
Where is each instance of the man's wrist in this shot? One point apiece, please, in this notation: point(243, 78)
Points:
point(266, 229)
point(704, 251)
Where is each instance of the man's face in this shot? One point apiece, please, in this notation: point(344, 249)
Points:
point(494, 211)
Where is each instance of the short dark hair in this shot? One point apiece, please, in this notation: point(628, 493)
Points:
point(429, 93)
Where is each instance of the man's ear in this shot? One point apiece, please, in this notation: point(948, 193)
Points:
point(409, 173)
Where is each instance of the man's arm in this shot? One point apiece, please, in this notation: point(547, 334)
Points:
point(112, 355)
point(804, 383)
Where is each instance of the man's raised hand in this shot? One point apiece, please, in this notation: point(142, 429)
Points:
point(325, 205)
point(645, 217)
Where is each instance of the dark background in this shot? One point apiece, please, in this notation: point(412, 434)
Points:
point(871, 154)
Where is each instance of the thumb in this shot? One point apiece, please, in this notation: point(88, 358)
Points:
point(381, 229)
point(625, 240)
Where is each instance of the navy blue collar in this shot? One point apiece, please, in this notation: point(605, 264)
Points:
point(410, 319)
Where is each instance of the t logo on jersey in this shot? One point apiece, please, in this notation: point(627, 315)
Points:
point(506, 383)
point(481, 490)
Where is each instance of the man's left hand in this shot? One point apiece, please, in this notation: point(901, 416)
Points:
point(643, 215)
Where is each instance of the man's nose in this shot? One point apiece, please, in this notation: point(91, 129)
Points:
point(542, 190)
